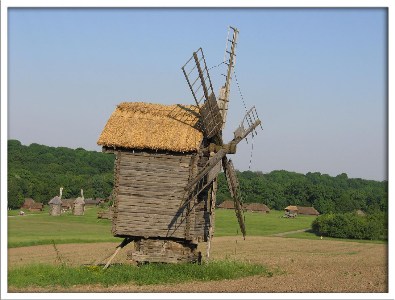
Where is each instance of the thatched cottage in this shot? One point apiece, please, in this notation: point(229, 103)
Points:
point(307, 210)
point(156, 155)
point(32, 205)
point(257, 207)
point(227, 204)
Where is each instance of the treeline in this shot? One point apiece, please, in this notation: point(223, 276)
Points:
point(37, 171)
point(339, 194)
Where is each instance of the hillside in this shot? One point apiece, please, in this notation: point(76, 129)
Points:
point(37, 171)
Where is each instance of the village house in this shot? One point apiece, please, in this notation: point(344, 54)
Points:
point(257, 207)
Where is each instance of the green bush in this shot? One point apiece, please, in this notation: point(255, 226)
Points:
point(352, 226)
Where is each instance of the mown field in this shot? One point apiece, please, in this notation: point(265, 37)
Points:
point(41, 228)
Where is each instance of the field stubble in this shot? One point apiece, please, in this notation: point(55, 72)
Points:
point(301, 265)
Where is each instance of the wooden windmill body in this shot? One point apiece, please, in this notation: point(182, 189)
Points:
point(167, 161)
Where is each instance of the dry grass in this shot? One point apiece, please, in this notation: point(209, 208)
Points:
point(139, 125)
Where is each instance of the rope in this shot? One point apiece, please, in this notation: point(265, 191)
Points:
point(252, 149)
point(216, 66)
point(245, 107)
point(238, 87)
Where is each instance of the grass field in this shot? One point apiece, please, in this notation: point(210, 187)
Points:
point(67, 276)
point(41, 228)
point(258, 224)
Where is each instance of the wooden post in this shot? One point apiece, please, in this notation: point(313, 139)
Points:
point(211, 202)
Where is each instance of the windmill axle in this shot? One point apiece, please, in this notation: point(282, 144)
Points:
point(229, 148)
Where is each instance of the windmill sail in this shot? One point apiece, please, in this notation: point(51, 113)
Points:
point(229, 60)
point(199, 81)
point(234, 188)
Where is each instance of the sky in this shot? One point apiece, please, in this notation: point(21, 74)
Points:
point(317, 77)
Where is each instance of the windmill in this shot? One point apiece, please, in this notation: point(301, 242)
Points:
point(168, 158)
point(213, 117)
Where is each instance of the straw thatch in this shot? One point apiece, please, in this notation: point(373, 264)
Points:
point(67, 204)
point(32, 205)
point(259, 207)
point(28, 203)
point(291, 208)
point(227, 204)
point(304, 210)
point(55, 200)
point(138, 125)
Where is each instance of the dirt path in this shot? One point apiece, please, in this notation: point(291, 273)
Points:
point(290, 232)
point(306, 265)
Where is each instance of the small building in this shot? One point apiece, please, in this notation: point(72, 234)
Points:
point(92, 202)
point(257, 207)
point(67, 204)
point(55, 206)
point(36, 206)
point(291, 211)
point(305, 210)
point(227, 204)
point(79, 207)
point(32, 205)
point(28, 202)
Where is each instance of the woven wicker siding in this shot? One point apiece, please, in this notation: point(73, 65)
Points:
point(150, 192)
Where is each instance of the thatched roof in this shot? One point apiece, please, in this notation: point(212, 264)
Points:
point(79, 200)
point(139, 125)
point(229, 204)
point(68, 202)
point(36, 205)
point(28, 203)
point(55, 200)
point(303, 210)
point(257, 207)
point(291, 208)
point(92, 201)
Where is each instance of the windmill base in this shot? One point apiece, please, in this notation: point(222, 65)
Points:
point(164, 251)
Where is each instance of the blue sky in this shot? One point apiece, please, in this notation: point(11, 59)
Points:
point(316, 76)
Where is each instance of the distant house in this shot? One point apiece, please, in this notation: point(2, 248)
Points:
point(67, 204)
point(257, 207)
point(227, 204)
point(303, 210)
point(28, 202)
point(92, 202)
point(291, 211)
point(32, 205)
point(36, 206)
point(291, 208)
